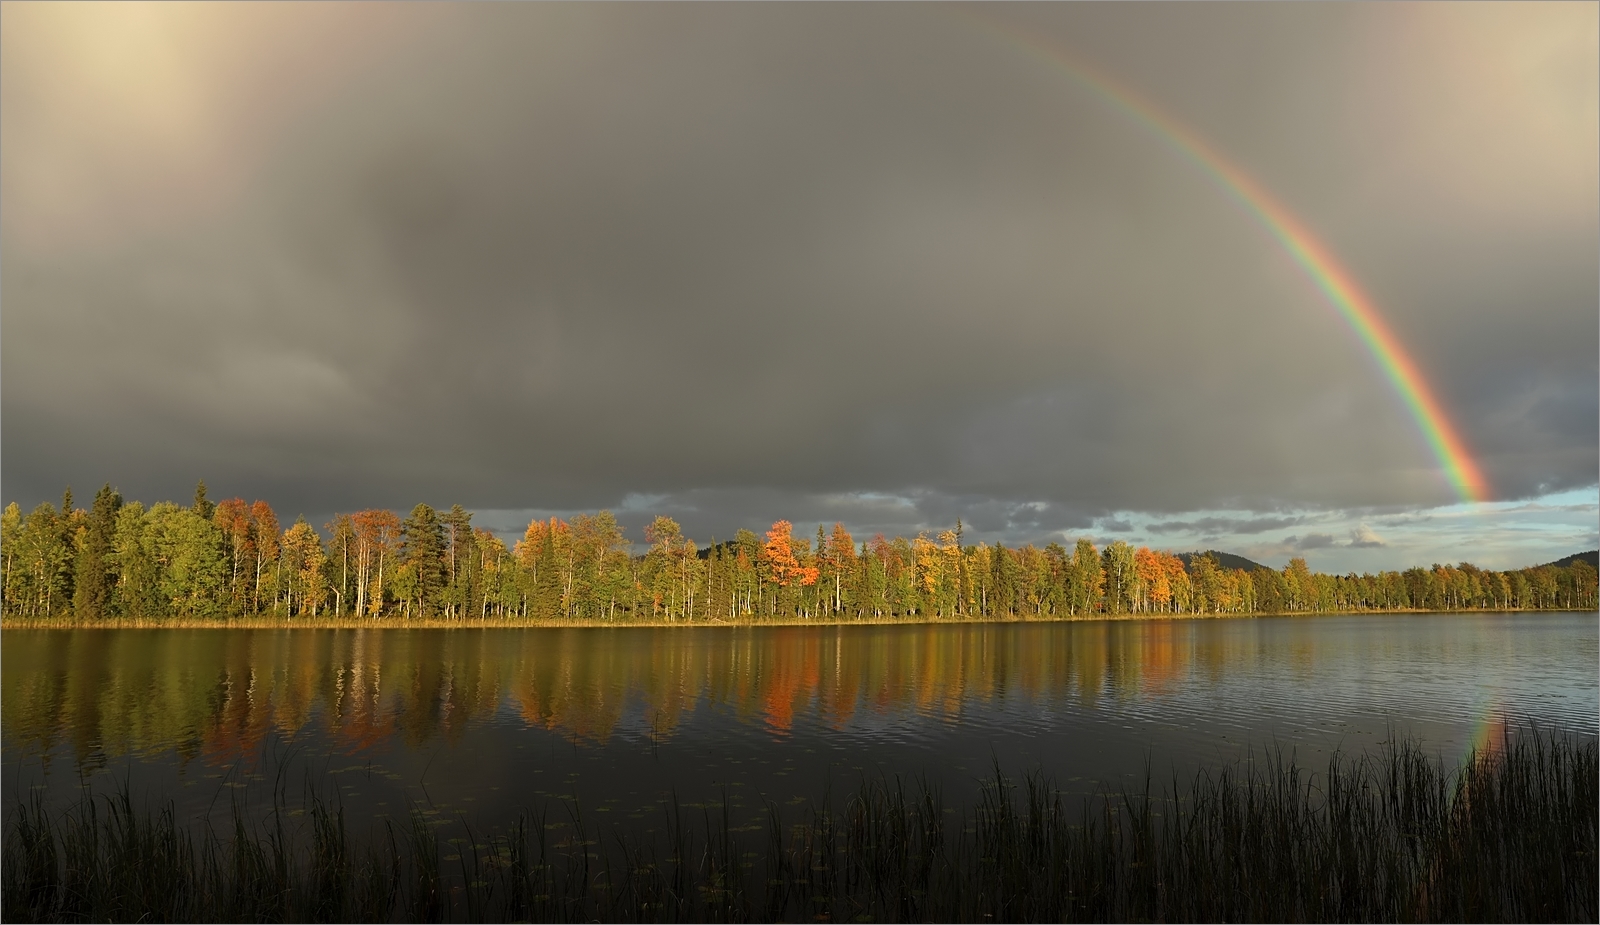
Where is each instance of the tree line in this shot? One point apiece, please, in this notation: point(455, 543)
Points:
point(117, 560)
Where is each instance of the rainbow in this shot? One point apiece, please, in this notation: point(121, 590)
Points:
point(1331, 278)
point(1488, 733)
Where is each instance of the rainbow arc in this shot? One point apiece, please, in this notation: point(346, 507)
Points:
point(1336, 283)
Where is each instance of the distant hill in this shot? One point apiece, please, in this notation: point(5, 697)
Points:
point(1592, 557)
point(727, 547)
point(1225, 559)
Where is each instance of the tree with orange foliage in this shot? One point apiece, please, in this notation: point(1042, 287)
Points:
point(303, 557)
point(1178, 583)
point(841, 561)
point(778, 560)
point(527, 549)
point(541, 553)
point(232, 517)
point(777, 555)
point(264, 533)
point(1152, 579)
point(376, 532)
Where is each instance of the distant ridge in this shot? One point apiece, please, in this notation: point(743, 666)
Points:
point(727, 547)
point(1225, 559)
point(1592, 557)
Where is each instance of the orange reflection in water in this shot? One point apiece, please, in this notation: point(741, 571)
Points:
point(216, 694)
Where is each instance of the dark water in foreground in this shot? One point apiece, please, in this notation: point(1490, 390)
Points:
point(484, 722)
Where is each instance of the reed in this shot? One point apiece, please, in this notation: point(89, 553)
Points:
point(1509, 835)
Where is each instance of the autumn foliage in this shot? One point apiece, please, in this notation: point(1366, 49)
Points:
point(120, 561)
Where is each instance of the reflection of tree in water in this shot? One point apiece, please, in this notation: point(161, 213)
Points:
point(218, 693)
point(1158, 666)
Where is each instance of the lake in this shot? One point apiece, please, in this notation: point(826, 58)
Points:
point(483, 722)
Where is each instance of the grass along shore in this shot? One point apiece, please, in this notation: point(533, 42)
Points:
point(395, 621)
point(1509, 835)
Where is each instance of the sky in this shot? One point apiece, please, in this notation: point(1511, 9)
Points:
point(889, 265)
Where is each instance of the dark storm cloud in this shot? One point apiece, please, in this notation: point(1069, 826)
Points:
point(872, 264)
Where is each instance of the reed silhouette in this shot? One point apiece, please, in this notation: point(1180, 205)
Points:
point(1394, 835)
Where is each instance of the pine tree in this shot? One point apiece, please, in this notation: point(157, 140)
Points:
point(67, 551)
point(422, 548)
point(1005, 582)
point(459, 544)
point(202, 507)
point(963, 574)
point(95, 575)
point(547, 586)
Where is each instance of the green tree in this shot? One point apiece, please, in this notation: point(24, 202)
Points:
point(68, 523)
point(403, 585)
point(1004, 591)
point(672, 569)
point(964, 593)
point(1299, 589)
point(1117, 561)
point(1270, 589)
point(39, 564)
point(340, 575)
point(96, 575)
point(1205, 580)
point(303, 560)
point(461, 563)
point(10, 534)
point(422, 548)
point(1084, 580)
point(202, 508)
point(194, 568)
point(138, 592)
point(745, 572)
point(841, 565)
point(495, 582)
point(1059, 565)
point(599, 576)
point(547, 579)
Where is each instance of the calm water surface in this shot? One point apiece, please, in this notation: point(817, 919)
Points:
point(485, 721)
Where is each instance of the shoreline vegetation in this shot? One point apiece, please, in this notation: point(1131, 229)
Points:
point(231, 564)
point(400, 622)
point(1394, 835)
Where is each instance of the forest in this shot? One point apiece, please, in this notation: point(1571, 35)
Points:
point(119, 562)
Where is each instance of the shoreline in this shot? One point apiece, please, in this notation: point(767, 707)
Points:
point(402, 623)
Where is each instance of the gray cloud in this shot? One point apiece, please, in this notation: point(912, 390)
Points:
point(1309, 541)
point(1219, 525)
point(707, 515)
point(864, 263)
